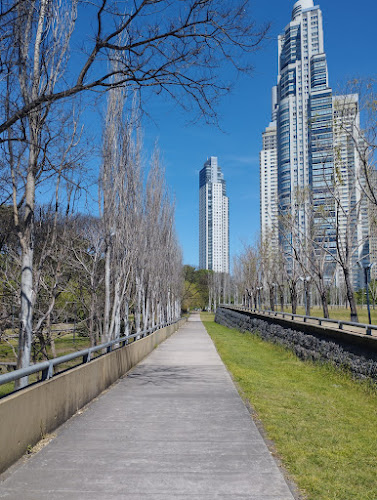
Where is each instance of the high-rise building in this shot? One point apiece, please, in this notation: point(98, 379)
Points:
point(269, 180)
point(304, 111)
point(213, 218)
point(310, 139)
point(372, 214)
point(353, 216)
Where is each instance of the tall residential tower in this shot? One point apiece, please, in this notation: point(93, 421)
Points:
point(313, 158)
point(213, 218)
point(269, 180)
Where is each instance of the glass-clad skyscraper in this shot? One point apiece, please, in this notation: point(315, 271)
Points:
point(309, 148)
point(213, 218)
point(304, 117)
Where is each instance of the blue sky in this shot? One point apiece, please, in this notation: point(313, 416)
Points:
point(351, 47)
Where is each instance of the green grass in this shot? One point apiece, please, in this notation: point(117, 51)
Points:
point(6, 389)
point(323, 423)
point(64, 344)
point(339, 313)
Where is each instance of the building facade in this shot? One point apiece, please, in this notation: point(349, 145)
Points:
point(213, 218)
point(312, 141)
point(269, 180)
point(352, 215)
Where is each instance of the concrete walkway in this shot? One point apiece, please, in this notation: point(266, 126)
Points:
point(174, 428)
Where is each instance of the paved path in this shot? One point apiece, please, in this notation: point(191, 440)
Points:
point(175, 428)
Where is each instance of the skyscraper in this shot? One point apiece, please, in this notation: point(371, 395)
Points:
point(353, 218)
point(269, 180)
point(310, 138)
point(304, 114)
point(213, 218)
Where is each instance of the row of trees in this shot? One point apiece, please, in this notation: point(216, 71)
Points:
point(110, 273)
point(265, 281)
point(330, 228)
point(177, 49)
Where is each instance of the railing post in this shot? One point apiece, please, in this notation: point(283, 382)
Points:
point(44, 374)
point(86, 357)
point(48, 372)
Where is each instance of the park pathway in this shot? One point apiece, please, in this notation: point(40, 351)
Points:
point(175, 428)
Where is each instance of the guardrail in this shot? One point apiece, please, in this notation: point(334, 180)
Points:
point(47, 367)
point(340, 323)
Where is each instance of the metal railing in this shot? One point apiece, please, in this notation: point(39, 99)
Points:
point(286, 315)
point(47, 367)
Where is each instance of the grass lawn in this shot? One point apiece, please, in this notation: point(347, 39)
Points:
point(323, 423)
point(64, 344)
point(339, 313)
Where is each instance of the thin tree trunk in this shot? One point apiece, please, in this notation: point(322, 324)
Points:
point(153, 310)
point(92, 335)
point(106, 314)
point(114, 330)
point(27, 306)
point(281, 299)
point(146, 313)
point(137, 311)
point(272, 301)
point(126, 318)
point(325, 307)
point(293, 299)
point(49, 336)
point(350, 296)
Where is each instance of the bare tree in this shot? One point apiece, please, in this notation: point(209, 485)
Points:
point(87, 263)
point(348, 191)
point(247, 276)
point(362, 135)
point(177, 53)
point(313, 250)
point(121, 215)
point(142, 260)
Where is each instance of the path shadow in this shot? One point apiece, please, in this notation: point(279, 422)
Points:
point(171, 375)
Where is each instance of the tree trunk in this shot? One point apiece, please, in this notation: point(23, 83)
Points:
point(114, 330)
point(106, 314)
point(143, 307)
point(50, 340)
point(26, 312)
point(307, 299)
point(153, 310)
point(281, 299)
point(43, 347)
point(146, 313)
point(126, 318)
point(92, 335)
point(137, 311)
point(325, 307)
point(293, 292)
point(350, 296)
point(272, 301)
point(26, 234)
